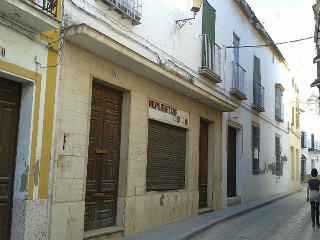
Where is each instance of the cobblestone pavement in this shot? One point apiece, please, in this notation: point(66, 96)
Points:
point(288, 218)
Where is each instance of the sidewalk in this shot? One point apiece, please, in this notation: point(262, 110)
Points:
point(186, 229)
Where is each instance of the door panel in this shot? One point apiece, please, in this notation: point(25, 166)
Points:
point(9, 116)
point(103, 159)
point(231, 165)
point(203, 164)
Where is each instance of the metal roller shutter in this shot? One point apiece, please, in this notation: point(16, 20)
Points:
point(166, 157)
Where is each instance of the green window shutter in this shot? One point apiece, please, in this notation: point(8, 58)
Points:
point(208, 20)
point(256, 70)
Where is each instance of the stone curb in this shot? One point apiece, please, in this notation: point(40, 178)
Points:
point(239, 213)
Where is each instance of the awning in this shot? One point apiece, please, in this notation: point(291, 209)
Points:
point(303, 157)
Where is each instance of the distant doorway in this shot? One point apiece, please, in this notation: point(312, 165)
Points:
point(203, 164)
point(231, 162)
point(303, 169)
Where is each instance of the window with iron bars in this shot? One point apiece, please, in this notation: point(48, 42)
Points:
point(304, 139)
point(130, 9)
point(211, 55)
point(48, 6)
point(278, 154)
point(255, 149)
point(279, 107)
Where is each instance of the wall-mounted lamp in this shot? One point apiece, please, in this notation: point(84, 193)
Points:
point(195, 9)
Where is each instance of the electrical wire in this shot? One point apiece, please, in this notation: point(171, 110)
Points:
point(267, 45)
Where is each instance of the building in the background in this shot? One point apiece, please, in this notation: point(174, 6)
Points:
point(29, 34)
point(316, 60)
point(310, 136)
point(261, 139)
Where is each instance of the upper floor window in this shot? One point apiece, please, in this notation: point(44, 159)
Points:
point(210, 51)
point(258, 89)
point(304, 139)
point(238, 72)
point(236, 45)
point(256, 70)
point(295, 114)
point(279, 107)
point(49, 6)
point(130, 9)
point(278, 155)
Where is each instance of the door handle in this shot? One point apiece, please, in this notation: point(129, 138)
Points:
point(99, 151)
point(99, 195)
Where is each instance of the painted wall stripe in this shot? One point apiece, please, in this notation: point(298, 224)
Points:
point(14, 69)
point(47, 133)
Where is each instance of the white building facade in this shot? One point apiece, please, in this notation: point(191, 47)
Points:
point(260, 146)
point(28, 77)
point(310, 142)
point(161, 114)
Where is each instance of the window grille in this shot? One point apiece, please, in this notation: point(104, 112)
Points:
point(279, 107)
point(238, 77)
point(278, 153)
point(211, 55)
point(128, 9)
point(255, 150)
point(48, 6)
point(258, 94)
point(304, 139)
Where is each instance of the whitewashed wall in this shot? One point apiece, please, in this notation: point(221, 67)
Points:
point(230, 19)
point(158, 39)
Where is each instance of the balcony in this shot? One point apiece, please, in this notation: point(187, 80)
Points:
point(210, 59)
point(313, 145)
point(258, 97)
point(238, 74)
point(38, 15)
point(128, 9)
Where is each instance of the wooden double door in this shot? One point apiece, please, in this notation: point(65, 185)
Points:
point(10, 97)
point(103, 158)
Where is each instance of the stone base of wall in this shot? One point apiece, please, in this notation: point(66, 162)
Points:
point(233, 201)
point(157, 209)
point(29, 219)
point(104, 233)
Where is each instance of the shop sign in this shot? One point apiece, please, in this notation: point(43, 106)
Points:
point(165, 113)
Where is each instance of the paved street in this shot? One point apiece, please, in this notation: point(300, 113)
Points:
point(288, 218)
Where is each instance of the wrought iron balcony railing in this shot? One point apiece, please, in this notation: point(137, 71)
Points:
point(210, 55)
point(238, 78)
point(130, 9)
point(48, 6)
point(313, 145)
point(258, 97)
